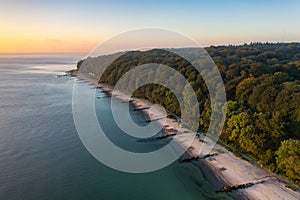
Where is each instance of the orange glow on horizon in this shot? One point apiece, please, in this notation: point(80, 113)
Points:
point(27, 45)
point(16, 40)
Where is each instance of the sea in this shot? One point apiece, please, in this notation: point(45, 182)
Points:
point(42, 156)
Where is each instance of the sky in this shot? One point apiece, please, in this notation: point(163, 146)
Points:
point(78, 26)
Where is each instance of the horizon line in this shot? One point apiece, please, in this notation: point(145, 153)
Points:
point(211, 45)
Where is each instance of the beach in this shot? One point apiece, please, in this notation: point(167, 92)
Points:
point(221, 167)
point(42, 156)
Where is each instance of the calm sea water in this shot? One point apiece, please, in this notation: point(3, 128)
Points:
point(42, 157)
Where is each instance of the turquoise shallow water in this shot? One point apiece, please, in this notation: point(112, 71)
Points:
point(42, 157)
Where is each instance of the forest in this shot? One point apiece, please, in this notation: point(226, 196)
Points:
point(262, 82)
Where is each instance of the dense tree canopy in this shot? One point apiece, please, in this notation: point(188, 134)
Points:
point(262, 84)
point(288, 160)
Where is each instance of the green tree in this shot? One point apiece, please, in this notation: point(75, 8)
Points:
point(288, 159)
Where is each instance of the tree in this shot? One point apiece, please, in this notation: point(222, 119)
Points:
point(288, 159)
point(262, 88)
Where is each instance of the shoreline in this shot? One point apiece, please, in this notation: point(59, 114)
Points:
point(223, 169)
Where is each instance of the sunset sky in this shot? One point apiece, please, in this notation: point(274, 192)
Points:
point(78, 26)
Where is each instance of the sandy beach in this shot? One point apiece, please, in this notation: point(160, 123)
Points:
point(221, 169)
